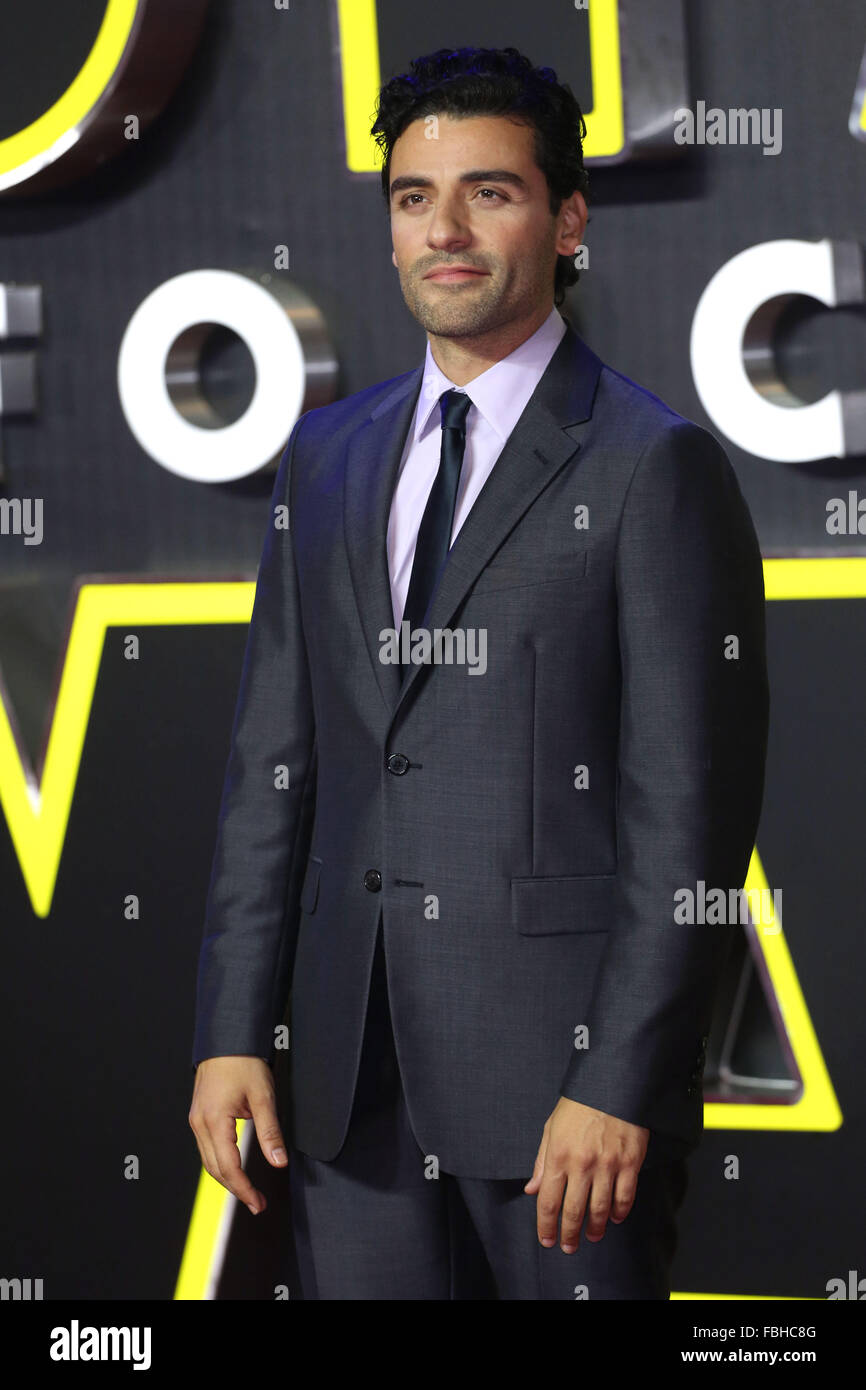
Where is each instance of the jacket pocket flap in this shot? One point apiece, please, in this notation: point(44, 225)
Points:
point(310, 890)
point(551, 906)
point(516, 574)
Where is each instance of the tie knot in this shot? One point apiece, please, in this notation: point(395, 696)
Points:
point(454, 406)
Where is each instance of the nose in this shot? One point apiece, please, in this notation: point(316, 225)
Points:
point(447, 229)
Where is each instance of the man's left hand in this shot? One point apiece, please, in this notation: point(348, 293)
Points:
point(592, 1160)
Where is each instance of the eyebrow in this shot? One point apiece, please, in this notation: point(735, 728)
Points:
point(472, 176)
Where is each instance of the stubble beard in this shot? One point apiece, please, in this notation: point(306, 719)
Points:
point(463, 310)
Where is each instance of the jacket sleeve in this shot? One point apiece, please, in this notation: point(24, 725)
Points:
point(251, 913)
point(692, 745)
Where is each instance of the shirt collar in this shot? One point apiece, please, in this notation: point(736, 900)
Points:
point(501, 393)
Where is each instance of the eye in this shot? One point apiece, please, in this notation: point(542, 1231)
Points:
point(494, 193)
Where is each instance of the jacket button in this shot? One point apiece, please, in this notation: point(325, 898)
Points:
point(398, 763)
point(372, 880)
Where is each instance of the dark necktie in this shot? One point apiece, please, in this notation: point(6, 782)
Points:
point(434, 533)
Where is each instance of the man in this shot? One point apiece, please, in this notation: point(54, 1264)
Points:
point(466, 783)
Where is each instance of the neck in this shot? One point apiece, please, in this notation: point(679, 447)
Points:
point(463, 359)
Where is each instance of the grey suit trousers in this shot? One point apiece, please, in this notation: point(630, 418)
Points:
point(377, 1222)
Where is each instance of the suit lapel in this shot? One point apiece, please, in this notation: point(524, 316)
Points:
point(545, 437)
point(372, 459)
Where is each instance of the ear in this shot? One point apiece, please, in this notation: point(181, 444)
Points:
point(573, 217)
point(394, 257)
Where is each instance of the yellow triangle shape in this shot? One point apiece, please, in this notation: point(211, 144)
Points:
point(817, 1107)
point(37, 812)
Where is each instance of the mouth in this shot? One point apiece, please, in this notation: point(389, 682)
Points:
point(446, 274)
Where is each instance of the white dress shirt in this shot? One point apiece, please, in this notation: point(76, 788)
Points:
point(499, 397)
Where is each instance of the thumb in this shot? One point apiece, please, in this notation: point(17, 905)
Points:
point(268, 1131)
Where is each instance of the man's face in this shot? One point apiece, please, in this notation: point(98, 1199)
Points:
point(473, 196)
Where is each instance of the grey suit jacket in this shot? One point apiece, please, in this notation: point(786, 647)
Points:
point(522, 829)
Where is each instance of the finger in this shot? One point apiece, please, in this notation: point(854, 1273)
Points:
point(206, 1149)
point(271, 1141)
point(573, 1207)
point(538, 1169)
point(598, 1208)
point(548, 1204)
point(206, 1152)
point(624, 1193)
point(200, 1125)
point(228, 1164)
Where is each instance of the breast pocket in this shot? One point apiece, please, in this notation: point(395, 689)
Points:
point(310, 890)
point(518, 574)
point(553, 906)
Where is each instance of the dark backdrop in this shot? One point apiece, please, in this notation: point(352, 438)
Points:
point(97, 1010)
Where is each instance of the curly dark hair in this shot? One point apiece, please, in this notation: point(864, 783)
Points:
point(493, 82)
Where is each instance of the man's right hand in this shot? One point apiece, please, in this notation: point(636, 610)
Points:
point(227, 1089)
